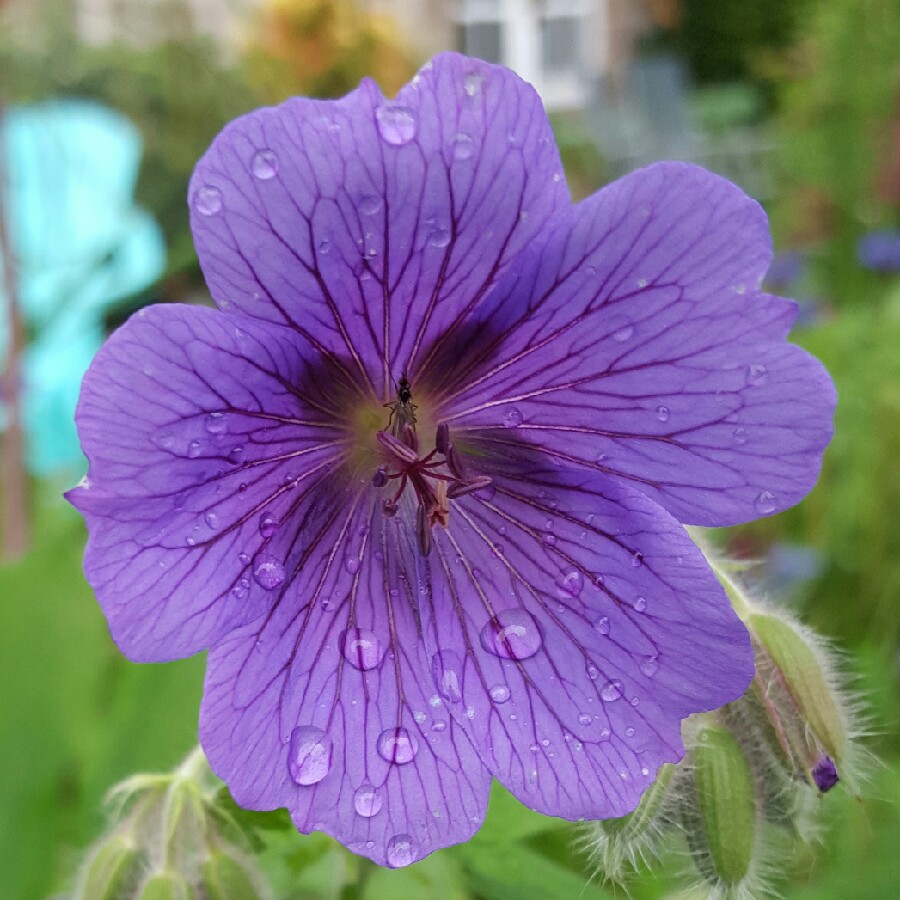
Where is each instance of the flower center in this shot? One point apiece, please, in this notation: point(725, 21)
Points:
point(434, 479)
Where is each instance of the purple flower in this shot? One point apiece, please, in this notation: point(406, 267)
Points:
point(418, 482)
point(879, 251)
point(825, 773)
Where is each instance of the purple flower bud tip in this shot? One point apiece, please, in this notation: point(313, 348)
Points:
point(825, 773)
point(442, 438)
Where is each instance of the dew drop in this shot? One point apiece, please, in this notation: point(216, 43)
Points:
point(629, 732)
point(367, 801)
point(216, 423)
point(212, 520)
point(193, 450)
point(370, 205)
point(637, 559)
point(361, 649)
point(512, 418)
point(650, 666)
point(640, 604)
point(757, 375)
point(611, 691)
point(623, 334)
point(208, 200)
point(463, 146)
point(309, 755)
point(268, 572)
point(472, 83)
point(765, 503)
point(571, 583)
point(601, 626)
point(401, 851)
point(236, 454)
point(592, 672)
point(439, 237)
point(351, 564)
point(268, 524)
point(511, 634)
point(396, 124)
point(740, 436)
point(585, 719)
point(438, 725)
point(446, 670)
point(662, 413)
point(264, 164)
point(499, 693)
point(397, 745)
point(324, 246)
point(642, 282)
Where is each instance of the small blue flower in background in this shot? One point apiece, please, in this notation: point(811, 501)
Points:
point(80, 246)
point(880, 250)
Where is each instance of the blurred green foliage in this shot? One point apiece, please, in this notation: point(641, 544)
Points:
point(840, 97)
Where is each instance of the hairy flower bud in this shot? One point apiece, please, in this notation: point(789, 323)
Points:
point(803, 704)
point(722, 829)
point(172, 839)
point(166, 886)
point(111, 870)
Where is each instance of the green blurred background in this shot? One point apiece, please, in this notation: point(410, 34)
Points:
point(799, 102)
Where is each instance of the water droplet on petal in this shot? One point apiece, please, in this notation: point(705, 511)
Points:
point(208, 200)
point(571, 584)
point(740, 435)
point(268, 524)
point(324, 246)
point(642, 282)
point(367, 801)
point(216, 423)
point(592, 672)
point(264, 164)
point(351, 564)
point(650, 666)
point(397, 745)
point(601, 626)
point(309, 755)
point(765, 503)
point(396, 124)
point(472, 83)
point(401, 851)
point(585, 719)
point(640, 604)
point(439, 237)
point(361, 648)
point(212, 520)
point(512, 418)
point(511, 634)
point(193, 450)
point(499, 693)
point(438, 725)
point(370, 205)
point(623, 334)
point(612, 690)
point(757, 375)
point(463, 146)
point(662, 413)
point(268, 572)
point(637, 559)
point(446, 669)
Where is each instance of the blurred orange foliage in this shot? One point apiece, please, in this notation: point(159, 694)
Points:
point(323, 48)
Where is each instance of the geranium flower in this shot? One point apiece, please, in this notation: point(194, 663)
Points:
point(418, 482)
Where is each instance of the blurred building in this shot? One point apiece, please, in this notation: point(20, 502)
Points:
point(564, 47)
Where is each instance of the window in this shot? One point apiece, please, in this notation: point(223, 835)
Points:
point(481, 39)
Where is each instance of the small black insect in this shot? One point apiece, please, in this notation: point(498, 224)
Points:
point(403, 410)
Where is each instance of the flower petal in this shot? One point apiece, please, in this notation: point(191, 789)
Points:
point(203, 431)
point(589, 626)
point(327, 706)
point(635, 341)
point(373, 224)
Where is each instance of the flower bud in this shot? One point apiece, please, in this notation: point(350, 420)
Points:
point(803, 704)
point(111, 870)
point(613, 843)
point(166, 886)
point(225, 878)
point(721, 829)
